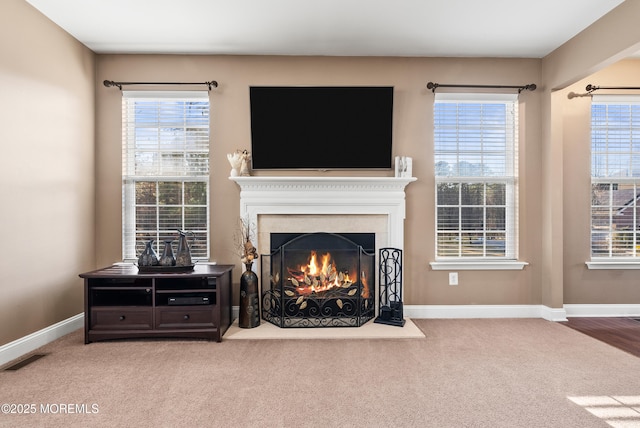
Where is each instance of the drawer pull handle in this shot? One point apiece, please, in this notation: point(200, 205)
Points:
point(122, 317)
point(186, 317)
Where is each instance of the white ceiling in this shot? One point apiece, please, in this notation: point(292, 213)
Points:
point(460, 28)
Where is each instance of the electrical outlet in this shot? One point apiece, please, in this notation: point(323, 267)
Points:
point(453, 278)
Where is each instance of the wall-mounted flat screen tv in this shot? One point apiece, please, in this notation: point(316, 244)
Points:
point(321, 127)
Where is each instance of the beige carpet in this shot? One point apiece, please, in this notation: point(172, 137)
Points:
point(369, 330)
point(503, 373)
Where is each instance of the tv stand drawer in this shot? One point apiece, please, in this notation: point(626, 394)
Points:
point(184, 317)
point(121, 318)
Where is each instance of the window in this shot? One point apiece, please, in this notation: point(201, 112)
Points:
point(475, 147)
point(165, 169)
point(615, 177)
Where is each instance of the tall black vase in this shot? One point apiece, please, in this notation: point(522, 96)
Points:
point(249, 300)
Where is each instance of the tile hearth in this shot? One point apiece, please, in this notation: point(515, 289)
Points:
point(370, 330)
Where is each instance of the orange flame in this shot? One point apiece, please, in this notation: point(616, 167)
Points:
point(319, 277)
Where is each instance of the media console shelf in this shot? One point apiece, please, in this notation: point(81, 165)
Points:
point(122, 303)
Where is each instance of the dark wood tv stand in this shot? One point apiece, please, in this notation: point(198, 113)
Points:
point(121, 303)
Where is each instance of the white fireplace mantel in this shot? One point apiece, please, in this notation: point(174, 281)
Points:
point(327, 195)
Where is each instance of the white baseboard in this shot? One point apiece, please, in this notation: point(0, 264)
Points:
point(484, 311)
point(623, 310)
point(553, 314)
point(26, 344)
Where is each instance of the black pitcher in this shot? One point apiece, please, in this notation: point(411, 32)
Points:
point(167, 258)
point(183, 258)
point(149, 257)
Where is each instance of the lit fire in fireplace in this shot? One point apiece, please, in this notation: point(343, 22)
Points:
point(321, 276)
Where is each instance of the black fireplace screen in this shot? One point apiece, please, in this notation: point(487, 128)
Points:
point(318, 280)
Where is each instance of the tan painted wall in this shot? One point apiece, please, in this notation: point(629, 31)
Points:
point(413, 130)
point(608, 40)
point(46, 170)
point(581, 285)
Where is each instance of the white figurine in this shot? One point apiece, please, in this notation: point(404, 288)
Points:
point(246, 161)
point(236, 160)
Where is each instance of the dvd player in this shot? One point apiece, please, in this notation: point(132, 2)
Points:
point(189, 300)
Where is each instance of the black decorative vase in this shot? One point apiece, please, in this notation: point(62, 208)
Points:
point(249, 301)
point(149, 257)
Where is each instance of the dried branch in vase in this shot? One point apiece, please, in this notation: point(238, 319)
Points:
point(244, 236)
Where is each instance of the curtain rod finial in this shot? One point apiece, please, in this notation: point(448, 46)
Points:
point(110, 83)
point(432, 86)
point(529, 87)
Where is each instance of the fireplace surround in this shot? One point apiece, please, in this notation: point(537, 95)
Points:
point(324, 204)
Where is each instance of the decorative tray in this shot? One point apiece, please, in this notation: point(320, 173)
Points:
point(165, 269)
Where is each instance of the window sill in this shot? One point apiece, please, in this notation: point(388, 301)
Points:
point(478, 265)
point(610, 264)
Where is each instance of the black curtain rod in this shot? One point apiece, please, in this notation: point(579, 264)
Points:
point(592, 88)
point(529, 87)
point(109, 83)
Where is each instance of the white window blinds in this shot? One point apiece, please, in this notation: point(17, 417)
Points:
point(475, 148)
point(165, 169)
point(615, 176)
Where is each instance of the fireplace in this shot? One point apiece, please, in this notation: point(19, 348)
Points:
point(319, 280)
point(339, 205)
